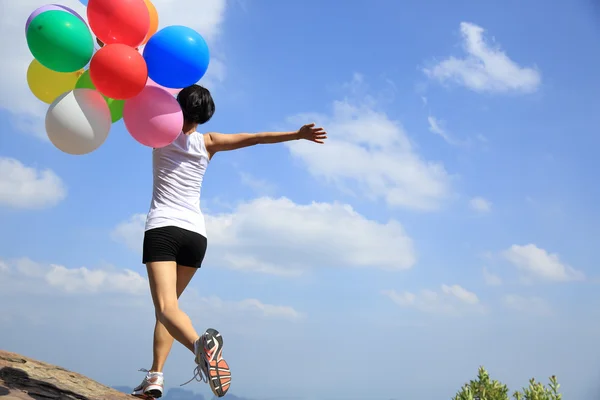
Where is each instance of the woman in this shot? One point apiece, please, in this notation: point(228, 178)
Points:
point(175, 236)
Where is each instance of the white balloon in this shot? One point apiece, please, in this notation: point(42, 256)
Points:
point(78, 122)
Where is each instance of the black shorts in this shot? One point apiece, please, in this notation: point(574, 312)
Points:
point(171, 243)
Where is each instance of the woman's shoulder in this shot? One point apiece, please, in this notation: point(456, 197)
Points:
point(200, 140)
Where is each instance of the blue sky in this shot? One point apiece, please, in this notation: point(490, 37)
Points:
point(449, 222)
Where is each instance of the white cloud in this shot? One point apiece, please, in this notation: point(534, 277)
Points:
point(277, 236)
point(435, 127)
point(450, 300)
point(28, 112)
point(252, 306)
point(369, 154)
point(485, 68)
point(130, 232)
point(26, 277)
point(480, 204)
point(280, 232)
point(27, 187)
point(530, 305)
point(461, 294)
point(206, 17)
point(536, 263)
point(83, 280)
point(490, 278)
point(216, 73)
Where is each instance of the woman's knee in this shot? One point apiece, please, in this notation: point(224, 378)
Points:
point(163, 311)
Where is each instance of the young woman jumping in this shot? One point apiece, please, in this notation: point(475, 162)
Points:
point(175, 237)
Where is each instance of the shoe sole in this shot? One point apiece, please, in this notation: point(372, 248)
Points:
point(155, 393)
point(143, 396)
point(219, 378)
point(151, 392)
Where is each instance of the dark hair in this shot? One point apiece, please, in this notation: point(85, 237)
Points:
point(197, 104)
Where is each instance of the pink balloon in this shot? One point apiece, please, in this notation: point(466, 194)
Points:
point(153, 117)
point(170, 90)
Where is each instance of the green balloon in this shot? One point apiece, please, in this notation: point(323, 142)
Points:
point(60, 41)
point(115, 106)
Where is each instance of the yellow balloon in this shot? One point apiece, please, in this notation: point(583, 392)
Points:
point(47, 85)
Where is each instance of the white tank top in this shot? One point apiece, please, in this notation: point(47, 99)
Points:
point(178, 171)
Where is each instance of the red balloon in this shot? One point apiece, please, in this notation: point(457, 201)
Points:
point(118, 71)
point(119, 21)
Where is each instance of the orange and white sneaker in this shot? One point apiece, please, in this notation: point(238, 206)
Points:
point(151, 387)
point(212, 368)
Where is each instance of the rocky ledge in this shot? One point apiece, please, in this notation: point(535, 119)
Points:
point(25, 378)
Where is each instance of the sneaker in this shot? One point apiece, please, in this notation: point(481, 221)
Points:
point(212, 368)
point(151, 386)
point(217, 369)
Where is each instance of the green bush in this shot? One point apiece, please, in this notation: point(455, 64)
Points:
point(484, 388)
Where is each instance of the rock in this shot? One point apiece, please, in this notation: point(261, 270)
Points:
point(25, 379)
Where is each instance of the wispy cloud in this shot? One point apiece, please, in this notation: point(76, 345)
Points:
point(435, 126)
point(370, 154)
point(485, 68)
point(480, 204)
point(260, 186)
point(490, 278)
point(535, 263)
point(449, 300)
point(27, 187)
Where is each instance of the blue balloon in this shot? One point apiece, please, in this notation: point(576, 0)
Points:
point(177, 57)
point(84, 2)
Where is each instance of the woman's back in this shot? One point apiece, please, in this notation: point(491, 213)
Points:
point(178, 173)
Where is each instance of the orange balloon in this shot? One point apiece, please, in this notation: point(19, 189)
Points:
point(118, 71)
point(153, 20)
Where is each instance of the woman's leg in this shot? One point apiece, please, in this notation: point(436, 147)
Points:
point(163, 287)
point(163, 341)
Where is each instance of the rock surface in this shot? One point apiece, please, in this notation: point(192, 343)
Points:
point(23, 378)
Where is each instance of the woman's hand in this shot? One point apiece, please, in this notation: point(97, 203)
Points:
point(309, 132)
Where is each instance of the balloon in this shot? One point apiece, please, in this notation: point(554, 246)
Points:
point(153, 20)
point(49, 7)
point(153, 118)
point(169, 90)
point(46, 84)
point(177, 57)
point(60, 41)
point(84, 2)
point(118, 71)
point(115, 106)
point(150, 82)
point(78, 122)
point(119, 21)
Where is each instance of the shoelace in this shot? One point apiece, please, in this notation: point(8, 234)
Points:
point(201, 370)
point(200, 373)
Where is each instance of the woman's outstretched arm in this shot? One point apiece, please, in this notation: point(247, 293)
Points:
point(216, 142)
